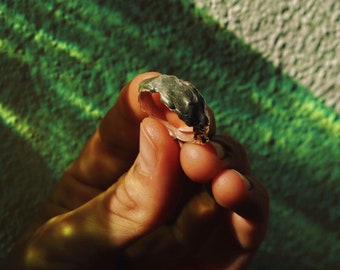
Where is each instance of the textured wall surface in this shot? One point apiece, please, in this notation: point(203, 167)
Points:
point(301, 37)
point(269, 69)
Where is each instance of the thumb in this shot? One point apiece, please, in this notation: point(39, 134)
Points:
point(144, 197)
point(136, 204)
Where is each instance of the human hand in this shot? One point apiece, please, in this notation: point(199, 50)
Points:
point(135, 199)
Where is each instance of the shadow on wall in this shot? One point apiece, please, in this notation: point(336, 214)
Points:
point(278, 120)
point(25, 181)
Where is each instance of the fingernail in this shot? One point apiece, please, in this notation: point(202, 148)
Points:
point(220, 148)
point(147, 151)
point(249, 185)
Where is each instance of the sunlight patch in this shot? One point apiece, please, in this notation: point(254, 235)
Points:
point(14, 122)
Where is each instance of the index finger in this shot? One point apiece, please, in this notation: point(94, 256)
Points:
point(114, 145)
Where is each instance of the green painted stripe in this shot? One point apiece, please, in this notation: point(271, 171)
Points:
point(82, 53)
point(51, 141)
point(20, 25)
point(20, 126)
point(43, 40)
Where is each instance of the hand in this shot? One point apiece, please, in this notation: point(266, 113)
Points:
point(135, 199)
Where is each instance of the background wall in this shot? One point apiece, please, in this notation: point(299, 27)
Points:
point(269, 69)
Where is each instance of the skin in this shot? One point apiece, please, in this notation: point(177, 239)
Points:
point(134, 197)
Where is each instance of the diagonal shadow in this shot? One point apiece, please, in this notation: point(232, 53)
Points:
point(250, 91)
point(292, 138)
point(26, 180)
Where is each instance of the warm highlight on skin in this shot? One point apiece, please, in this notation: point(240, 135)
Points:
point(133, 186)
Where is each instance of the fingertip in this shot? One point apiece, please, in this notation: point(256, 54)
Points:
point(129, 95)
point(247, 198)
point(121, 124)
point(134, 83)
point(229, 189)
point(157, 132)
point(200, 162)
point(142, 76)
